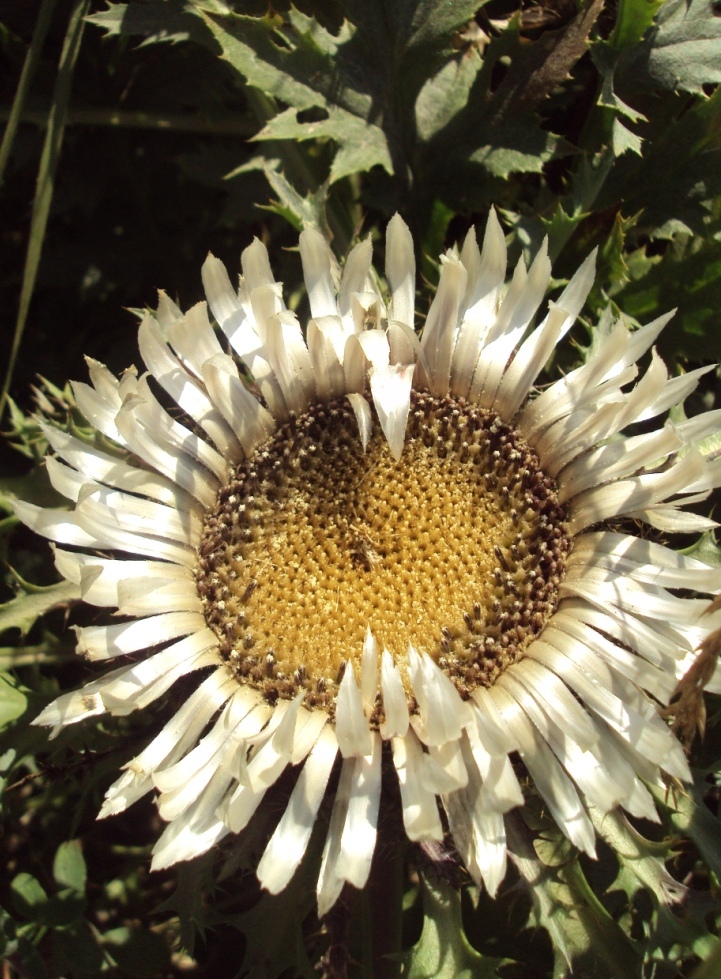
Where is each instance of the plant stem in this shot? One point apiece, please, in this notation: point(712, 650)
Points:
point(190, 122)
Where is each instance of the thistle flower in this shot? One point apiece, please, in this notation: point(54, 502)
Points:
point(373, 549)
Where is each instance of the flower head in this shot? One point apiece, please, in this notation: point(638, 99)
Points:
point(377, 549)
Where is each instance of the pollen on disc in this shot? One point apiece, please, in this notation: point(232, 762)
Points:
point(458, 549)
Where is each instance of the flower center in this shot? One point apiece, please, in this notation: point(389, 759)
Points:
point(458, 549)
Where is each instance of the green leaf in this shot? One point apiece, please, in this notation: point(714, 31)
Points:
point(496, 128)
point(525, 151)
point(611, 107)
point(611, 100)
point(158, 21)
point(433, 241)
point(25, 433)
point(30, 960)
point(689, 815)
point(633, 18)
point(34, 487)
point(641, 861)
point(23, 611)
point(606, 59)
point(530, 229)
point(443, 951)
point(623, 140)
point(408, 41)
point(688, 276)
point(681, 917)
point(682, 52)
point(8, 935)
point(77, 951)
point(314, 72)
point(706, 549)
point(32, 902)
point(137, 951)
point(28, 896)
point(674, 190)
point(193, 878)
point(559, 229)
point(302, 212)
point(13, 700)
point(612, 267)
point(69, 868)
point(445, 94)
point(273, 931)
point(583, 934)
point(711, 967)
point(418, 26)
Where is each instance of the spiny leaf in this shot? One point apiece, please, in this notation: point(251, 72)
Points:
point(408, 41)
point(308, 68)
point(612, 267)
point(688, 276)
point(690, 816)
point(193, 878)
point(682, 52)
point(22, 611)
point(530, 229)
point(641, 861)
point(536, 69)
point(445, 95)
point(301, 212)
point(685, 185)
point(560, 227)
point(582, 932)
point(273, 931)
point(633, 18)
point(641, 865)
point(53, 404)
point(157, 21)
point(623, 140)
point(496, 125)
point(443, 951)
point(606, 59)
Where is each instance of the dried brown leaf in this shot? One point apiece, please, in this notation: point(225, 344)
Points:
point(687, 706)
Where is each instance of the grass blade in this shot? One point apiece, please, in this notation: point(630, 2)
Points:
point(46, 177)
point(31, 62)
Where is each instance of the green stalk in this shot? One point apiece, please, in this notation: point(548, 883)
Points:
point(46, 178)
point(31, 62)
point(185, 122)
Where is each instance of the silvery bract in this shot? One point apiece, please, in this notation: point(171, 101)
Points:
point(373, 549)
